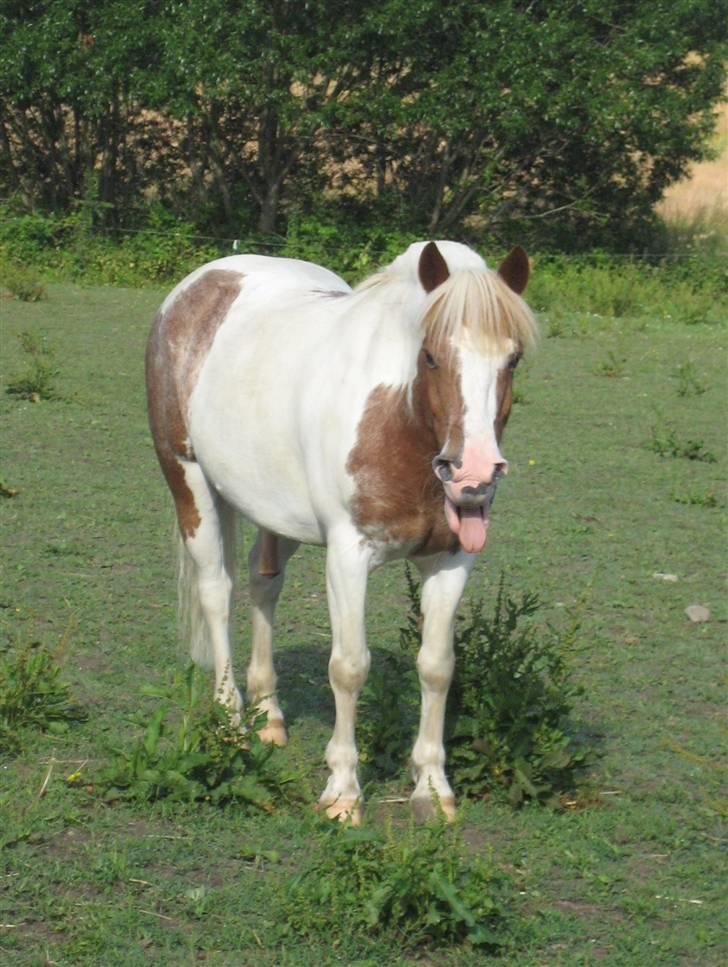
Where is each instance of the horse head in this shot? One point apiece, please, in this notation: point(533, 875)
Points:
point(475, 328)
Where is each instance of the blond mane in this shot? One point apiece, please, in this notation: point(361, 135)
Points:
point(476, 306)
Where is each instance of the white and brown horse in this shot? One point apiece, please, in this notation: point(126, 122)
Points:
point(367, 420)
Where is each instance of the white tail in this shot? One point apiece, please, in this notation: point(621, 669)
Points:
point(193, 629)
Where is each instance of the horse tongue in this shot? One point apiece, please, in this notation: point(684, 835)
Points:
point(473, 529)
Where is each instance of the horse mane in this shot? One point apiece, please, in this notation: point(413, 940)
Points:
point(474, 305)
point(477, 307)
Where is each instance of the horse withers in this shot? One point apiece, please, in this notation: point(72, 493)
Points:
point(366, 420)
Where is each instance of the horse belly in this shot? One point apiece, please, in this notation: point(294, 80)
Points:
point(245, 419)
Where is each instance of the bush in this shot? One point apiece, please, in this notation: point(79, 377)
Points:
point(204, 757)
point(22, 283)
point(510, 706)
point(413, 887)
point(36, 382)
point(33, 695)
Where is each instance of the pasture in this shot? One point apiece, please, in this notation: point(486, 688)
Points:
point(609, 501)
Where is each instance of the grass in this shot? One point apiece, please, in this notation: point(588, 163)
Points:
point(629, 872)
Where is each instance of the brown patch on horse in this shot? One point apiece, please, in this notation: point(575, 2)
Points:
point(268, 564)
point(397, 497)
point(179, 342)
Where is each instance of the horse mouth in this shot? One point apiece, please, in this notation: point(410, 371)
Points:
point(469, 519)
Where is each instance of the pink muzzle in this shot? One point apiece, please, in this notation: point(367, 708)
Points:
point(469, 485)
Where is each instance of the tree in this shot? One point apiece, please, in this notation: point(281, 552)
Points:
point(572, 113)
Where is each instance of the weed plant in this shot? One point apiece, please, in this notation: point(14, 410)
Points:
point(203, 757)
point(37, 381)
point(688, 382)
point(510, 707)
point(665, 443)
point(33, 695)
point(22, 282)
point(412, 888)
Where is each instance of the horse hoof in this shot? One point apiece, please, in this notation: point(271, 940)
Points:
point(345, 810)
point(273, 733)
point(427, 808)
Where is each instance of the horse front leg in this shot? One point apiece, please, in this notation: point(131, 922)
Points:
point(347, 570)
point(443, 581)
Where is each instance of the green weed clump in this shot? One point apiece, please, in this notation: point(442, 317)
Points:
point(33, 695)
point(510, 722)
point(202, 757)
point(511, 705)
point(666, 443)
point(22, 282)
point(409, 887)
point(37, 381)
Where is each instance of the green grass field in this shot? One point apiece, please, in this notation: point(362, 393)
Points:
point(632, 875)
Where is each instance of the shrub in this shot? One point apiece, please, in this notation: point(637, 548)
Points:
point(509, 722)
point(666, 443)
point(410, 886)
point(33, 695)
point(510, 705)
point(36, 382)
point(22, 282)
point(204, 757)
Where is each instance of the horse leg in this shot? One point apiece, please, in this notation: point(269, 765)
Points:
point(443, 581)
point(206, 586)
point(267, 561)
point(347, 570)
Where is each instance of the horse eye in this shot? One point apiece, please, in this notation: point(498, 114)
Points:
point(513, 361)
point(429, 360)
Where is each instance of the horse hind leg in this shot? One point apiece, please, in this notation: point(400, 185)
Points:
point(206, 577)
point(267, 559)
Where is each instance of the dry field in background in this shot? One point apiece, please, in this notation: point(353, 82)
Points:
point(705, 192)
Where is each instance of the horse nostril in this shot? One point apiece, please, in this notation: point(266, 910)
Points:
point(500, 470)
point(442, 468)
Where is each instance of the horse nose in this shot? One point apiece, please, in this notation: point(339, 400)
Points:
point(443, 469)
point(500, 469)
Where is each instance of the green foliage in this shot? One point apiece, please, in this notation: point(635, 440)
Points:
point(695, 498)
point(561, 122)
point(688, 382)
point(412, 887)
point(33, 694)
point(37, 381)
point(510, 703)
point(203, 757)
point(666, 443)
point(579, 294)
point(612, 366)
point(22, 282)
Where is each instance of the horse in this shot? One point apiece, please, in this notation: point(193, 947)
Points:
point(368, 420)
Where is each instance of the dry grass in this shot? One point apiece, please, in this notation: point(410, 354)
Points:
point(704, 194)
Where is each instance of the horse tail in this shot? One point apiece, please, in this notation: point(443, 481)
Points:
point(194, 632)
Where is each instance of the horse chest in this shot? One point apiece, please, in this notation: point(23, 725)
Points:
point(397, 499)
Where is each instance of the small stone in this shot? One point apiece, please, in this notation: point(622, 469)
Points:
point(665, 577)
point(697, 613)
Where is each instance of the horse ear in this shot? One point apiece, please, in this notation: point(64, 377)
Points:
point(514, 269)
point(433, 268)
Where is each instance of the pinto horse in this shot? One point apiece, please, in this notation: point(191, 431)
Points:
point(367, 420)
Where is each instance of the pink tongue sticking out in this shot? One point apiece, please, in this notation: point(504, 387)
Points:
point(469, 523)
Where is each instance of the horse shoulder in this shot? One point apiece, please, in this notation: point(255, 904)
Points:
point(396, 497)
